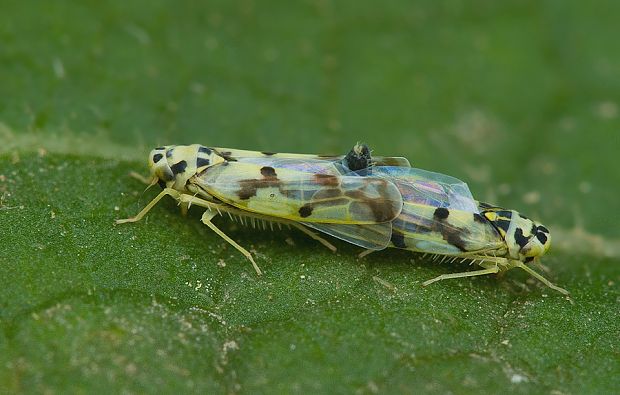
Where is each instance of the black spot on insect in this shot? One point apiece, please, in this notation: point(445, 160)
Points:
point(305, 210)
point(179, 167)
point(441, 213)
point(542, 228)
point(541, 237)
point(485, 206)
point(398, 239)
point(504, 213)
point(268, 172)
point(161, 183)
point(227, 155)
point(520, 239)
point(160, 148)
point(169, 153)
point(266, 153)
point(204, 150)
point(502, 224)
point(479, 218)
point(200, 162)
point(167, 175)
point(157, 158)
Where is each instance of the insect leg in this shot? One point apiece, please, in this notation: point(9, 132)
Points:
point(539, 277)
point(462, 274)
point(365, 253)
point(314, 236)
point(141, 214)
point(206, 219)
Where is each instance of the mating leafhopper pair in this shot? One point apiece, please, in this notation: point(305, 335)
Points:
point(372, 202)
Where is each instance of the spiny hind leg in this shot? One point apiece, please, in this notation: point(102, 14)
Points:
point(481, 272)
point(206, 219)
point(166, 191)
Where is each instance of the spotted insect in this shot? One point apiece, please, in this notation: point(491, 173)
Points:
point(290, 189)
point(441, 219)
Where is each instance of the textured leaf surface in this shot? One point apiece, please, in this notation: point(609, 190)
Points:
point(520, 99)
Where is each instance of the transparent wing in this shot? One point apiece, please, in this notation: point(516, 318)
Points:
point(301, 190)
point(372, 236)
point(426, 187)
point(422, 227)
point(236, 154)
point(391, 161)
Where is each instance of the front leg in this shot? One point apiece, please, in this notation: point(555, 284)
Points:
point(176, 195)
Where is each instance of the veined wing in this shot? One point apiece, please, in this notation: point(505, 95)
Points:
point(236, 154)
point(301, 190)
point(426, 187)
point(370, 236)
point(439, 214)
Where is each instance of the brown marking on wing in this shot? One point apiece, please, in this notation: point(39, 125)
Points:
point(249, 187)
point(327, 180)
point(381, 211)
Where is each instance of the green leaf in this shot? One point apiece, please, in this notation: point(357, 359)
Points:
point(520, 99)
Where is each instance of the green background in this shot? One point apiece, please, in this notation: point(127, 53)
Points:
point(518, 98)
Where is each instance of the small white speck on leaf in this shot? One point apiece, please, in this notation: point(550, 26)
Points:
point(517, 379)
point(59, 68)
